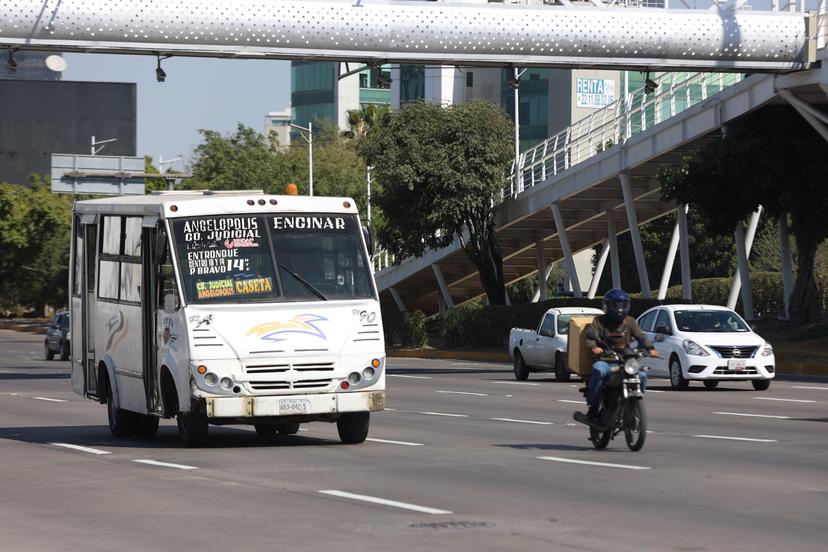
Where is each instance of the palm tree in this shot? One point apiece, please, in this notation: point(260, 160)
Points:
point(367, 117)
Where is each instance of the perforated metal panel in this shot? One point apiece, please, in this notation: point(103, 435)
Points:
point(430, 32)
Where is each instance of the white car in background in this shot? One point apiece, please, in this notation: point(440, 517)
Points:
point(706, 343)
point(544, 349)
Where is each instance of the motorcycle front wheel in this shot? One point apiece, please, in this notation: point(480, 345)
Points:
point(635, 424)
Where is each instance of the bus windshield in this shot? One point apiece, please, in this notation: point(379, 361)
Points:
point(267, 258)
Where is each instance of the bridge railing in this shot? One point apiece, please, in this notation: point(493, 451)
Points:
point(614, 124)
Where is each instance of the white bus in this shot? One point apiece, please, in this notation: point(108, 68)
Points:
point(225, 308)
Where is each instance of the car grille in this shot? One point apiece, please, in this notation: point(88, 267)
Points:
point(747, 371)
point(282, 376)
point(735, 352)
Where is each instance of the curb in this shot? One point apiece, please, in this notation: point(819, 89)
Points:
point(782, 368)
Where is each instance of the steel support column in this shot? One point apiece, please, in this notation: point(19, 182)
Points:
point(747, 244)
point(542, 274)
point(612, 237)
point(546, 272)
point(743, 273)
point(567, 252)
point(818, 120)
point(397, 299)
point(599, 270)
point(444, 290)
point(632, 218)
point(668, 264)
point(684, 254)
point(787, 272)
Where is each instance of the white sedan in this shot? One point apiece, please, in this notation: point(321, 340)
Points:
point(707, 343)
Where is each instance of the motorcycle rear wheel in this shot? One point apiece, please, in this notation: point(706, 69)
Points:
point(600, 439)
point(635, 424)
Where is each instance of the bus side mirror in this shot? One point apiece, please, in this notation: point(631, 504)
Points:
point(169, 303)
point(368, 234)
point(160, 247)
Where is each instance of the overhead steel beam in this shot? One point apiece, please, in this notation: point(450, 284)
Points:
point(443, 33)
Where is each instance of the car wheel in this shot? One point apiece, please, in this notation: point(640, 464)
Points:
point(353, 427)
point(761, 385)
point(711, 384)
point(64, 351)
point(562, 373)
point(520, 367)
point(677, 380)
point(50, 355)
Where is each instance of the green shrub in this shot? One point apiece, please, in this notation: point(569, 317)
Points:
point(413, 331)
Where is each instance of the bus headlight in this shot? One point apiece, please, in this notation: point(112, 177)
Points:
point(632, 366)
point(210, 378)
point(354, 378)
point(226, 384)
point(368, 373)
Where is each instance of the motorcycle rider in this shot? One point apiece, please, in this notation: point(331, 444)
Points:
point(614, 328)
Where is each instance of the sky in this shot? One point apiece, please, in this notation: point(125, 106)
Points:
point(214, 94)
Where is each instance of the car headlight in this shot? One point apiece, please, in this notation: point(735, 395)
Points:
point(693, 348)
point(767, 350)
point(632, 366)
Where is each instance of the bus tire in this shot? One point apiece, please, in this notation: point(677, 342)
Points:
point(291, 428)
point(353, 427)
point(192, 427)
point(146, 426)
point(121, 422)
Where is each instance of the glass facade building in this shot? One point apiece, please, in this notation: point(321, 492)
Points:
point(313, 91)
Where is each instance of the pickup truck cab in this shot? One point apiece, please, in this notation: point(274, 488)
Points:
point(544, 349)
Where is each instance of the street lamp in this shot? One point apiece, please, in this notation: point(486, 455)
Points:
point(309, 140)
point(514, 84)
point(368, 170)
point(170, 179)
point(96, 151)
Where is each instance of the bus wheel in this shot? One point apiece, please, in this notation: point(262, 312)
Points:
point(265, 430)
point(353, 427)
point(288, 429)
point(121, 422)
point(146, 426)
point(192, 428)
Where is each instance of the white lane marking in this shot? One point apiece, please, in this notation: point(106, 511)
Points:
point(808, 387)
point(571, 402)
point(80, 448)
point(389, 442)
point(736, 438)
point(166, 464)
point(390, 409)
point(782, 400)
point(406, 376)
point(386, 502)
point(444, 414)
point(571, 424)
point(48, 399)
point(463, 393)
point(520, 421)
point(516, 382)
point(588, 463)
point(754, 415)
point(655, 391)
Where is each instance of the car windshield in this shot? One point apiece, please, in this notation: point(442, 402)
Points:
point(721, 321)
point(563, 321)
point(280, 257)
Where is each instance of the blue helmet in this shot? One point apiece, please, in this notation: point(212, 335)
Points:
point(616, 304)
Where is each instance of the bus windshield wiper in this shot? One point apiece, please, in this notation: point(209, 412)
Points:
point(305, 282)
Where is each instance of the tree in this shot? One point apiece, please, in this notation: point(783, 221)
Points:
point(772, 158)
point(367, 117)
point(35, 230)
point(440, 172)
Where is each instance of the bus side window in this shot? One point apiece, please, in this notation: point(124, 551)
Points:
point(166, 283)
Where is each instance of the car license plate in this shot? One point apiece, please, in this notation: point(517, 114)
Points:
point(294, 406)
point(736, 364)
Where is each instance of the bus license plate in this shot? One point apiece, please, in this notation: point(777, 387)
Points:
point(736, 364)
point(294, 406)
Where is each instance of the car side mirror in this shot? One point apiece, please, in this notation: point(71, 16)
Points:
point(547, 333)
point(659, 338)
point(663, 330)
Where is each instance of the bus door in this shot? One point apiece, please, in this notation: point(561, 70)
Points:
point(149, 303)
point(88, 303)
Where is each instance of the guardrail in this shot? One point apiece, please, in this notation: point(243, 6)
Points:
point(614, 124)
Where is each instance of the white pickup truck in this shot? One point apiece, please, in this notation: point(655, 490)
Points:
point(544, 349)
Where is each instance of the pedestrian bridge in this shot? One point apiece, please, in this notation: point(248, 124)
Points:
point(598, 178)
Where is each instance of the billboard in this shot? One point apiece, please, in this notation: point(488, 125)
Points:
point(594, 93)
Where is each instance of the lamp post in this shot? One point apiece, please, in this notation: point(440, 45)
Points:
point(170, 180)
point(309, 140)
point(368, 170)
point(514, 84)
point(95, 151)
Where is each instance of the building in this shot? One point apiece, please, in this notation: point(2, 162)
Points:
point(277, 123)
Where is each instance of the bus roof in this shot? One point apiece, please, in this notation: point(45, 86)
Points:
point(198, 203)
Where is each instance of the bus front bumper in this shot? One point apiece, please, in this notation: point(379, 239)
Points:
point(295, 405)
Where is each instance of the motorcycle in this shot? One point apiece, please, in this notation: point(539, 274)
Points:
point(621, 401)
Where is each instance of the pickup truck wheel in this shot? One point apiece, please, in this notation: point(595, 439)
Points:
point(521, 369)
point(562, 373)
